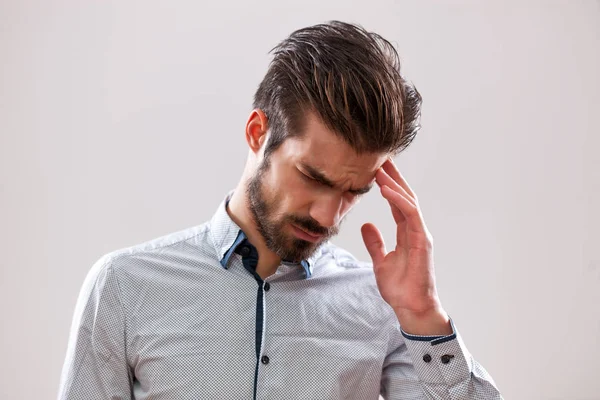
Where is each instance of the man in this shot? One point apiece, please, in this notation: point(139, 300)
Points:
point(257, 302)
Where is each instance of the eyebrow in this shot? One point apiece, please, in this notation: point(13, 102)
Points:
point(321, 178)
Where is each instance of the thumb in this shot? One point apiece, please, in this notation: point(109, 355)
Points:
point(374, 242)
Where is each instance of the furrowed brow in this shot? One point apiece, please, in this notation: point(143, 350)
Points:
point(321, 178)
point(318, 175)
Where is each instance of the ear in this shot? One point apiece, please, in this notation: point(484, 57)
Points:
point(256, 129)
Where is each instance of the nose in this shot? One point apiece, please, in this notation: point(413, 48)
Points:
point(326, 210)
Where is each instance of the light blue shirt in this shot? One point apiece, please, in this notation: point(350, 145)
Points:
point(185, 316)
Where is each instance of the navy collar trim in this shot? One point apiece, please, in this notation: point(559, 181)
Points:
point(224, 230)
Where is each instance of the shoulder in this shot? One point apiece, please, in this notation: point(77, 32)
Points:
point(342, 267)
point(352, 281)
point(157, 248)
point(344, 258)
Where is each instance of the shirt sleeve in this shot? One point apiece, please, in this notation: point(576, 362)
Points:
point(95, 365)
point(435, 367)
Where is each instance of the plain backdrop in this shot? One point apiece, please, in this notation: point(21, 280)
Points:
point(122, 121)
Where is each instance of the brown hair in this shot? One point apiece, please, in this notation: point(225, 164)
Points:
point(351, 78)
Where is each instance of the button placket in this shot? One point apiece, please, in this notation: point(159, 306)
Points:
point(446, 358)
point(245, 251)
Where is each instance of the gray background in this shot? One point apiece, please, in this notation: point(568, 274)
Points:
point(124, 121)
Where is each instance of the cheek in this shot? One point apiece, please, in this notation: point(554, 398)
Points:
point(296, 185)
point(298, 193)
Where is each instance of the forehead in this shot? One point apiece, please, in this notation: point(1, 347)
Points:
point(321, 148)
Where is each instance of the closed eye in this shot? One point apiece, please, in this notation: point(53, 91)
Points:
point(309, 178)
point(353, 192)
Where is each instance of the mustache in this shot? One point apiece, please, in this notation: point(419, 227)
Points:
point(312, 226)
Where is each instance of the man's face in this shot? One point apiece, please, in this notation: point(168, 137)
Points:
point(308, 184)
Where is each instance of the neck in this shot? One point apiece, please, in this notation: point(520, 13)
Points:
point(239, 211)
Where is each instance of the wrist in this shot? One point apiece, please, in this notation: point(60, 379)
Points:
point(434, 321)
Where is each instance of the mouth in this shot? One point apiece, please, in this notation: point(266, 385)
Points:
point(302, 234)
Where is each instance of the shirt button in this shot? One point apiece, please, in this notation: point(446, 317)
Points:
point(264, 360)
point(427, 358)
point(446, 358)
point(267, 286)
point(245, 251)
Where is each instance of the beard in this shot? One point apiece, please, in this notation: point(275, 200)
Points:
point(274, 227)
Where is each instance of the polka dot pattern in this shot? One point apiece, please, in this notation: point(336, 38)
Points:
point(176, 318)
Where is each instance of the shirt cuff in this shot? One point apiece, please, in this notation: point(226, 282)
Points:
point(428, 338)
point(439, 359)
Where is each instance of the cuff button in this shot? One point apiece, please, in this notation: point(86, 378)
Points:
point(427, 358)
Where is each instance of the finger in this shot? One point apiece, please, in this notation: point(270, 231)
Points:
point(374, 242)
point(409, 210)
point(392, 170)
point(383, 178)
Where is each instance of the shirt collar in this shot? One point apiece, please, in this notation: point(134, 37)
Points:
point(227, 235)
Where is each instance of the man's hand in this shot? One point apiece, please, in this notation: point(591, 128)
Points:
point(405, 275)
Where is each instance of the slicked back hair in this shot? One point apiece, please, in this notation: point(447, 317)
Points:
point(350, 78)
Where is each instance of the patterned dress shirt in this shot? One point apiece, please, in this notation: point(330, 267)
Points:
point(186, 316)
